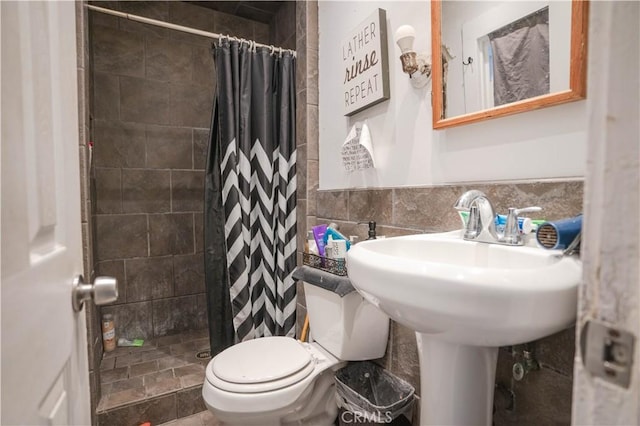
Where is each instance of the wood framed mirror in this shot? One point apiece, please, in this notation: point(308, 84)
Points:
point(477, 52)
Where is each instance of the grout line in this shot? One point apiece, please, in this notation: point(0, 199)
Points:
point(118, 259)
point(151, 169)
point(119, 96)
point(193, 149)
point(546, 366)
point(125, 285)
point(146, 143)
point(393, 207)
point(173, 276)
point(348, 193)
point(171, 191)
point(121, 190)
point(193, 230)
point(148, 236)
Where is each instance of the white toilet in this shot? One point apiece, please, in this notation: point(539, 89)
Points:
point(282, 381)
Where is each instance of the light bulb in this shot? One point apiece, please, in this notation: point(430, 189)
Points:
point(404, 38)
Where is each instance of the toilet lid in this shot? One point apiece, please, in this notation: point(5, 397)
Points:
point(266, 364)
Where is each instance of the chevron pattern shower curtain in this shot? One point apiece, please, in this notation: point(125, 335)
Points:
point(254, 148)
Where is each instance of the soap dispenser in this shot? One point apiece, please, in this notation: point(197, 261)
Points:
point(372, 230)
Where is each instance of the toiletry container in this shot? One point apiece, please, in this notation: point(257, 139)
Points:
point(108, 333)
point(280, 380)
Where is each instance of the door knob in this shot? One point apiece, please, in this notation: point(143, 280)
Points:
point(103, 290)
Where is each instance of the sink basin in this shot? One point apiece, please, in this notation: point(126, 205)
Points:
point(464, 299)
point(467, 292)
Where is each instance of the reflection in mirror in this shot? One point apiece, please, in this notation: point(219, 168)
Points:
point(518, 59)
point(502, 57)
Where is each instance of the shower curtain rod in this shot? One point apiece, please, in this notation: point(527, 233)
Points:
point(182, 28)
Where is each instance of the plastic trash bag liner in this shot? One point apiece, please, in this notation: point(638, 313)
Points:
point(368, 389)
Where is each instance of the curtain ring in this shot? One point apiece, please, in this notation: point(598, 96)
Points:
point(273, 49)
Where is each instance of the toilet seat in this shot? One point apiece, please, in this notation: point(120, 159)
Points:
point(244, 402)
point(261, 365)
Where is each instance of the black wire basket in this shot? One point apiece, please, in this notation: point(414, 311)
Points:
point(333, 266)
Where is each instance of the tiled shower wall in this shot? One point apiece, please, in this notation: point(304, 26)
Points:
point(543, 397)
point(152, 101)
point(283, 26)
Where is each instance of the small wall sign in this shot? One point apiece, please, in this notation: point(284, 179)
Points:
point(366, 64)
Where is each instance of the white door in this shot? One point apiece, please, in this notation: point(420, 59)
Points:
point(44, 349)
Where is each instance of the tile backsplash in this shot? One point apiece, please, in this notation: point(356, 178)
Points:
point(401, 211)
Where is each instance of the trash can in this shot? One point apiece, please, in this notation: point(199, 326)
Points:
point(368, 394)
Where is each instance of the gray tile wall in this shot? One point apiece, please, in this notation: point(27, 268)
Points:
point(543, 397)
point(153, 90)
point(283, 26)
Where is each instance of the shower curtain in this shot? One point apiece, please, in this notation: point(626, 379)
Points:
point(250, 201)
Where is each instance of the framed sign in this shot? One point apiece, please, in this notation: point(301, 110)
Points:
point(365, 61)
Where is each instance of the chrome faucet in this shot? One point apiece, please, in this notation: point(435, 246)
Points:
point(481, 225)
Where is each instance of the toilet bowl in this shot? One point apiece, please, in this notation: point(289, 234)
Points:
point(282, 381)
point(272, 381)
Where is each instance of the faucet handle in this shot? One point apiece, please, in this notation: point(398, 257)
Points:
point(518, 212)
point(473, 223)
point(511, 229)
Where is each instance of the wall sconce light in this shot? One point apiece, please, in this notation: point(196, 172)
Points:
point(416, 65)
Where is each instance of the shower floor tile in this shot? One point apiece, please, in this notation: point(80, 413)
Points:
point(156, 382)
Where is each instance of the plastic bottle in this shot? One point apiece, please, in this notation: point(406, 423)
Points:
point(318, 236)
point(108, 333)
point(335, 235)
point(311, 242)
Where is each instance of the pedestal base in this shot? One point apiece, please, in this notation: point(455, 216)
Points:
point(456, 382)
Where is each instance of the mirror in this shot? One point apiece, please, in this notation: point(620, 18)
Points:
point(497, 58)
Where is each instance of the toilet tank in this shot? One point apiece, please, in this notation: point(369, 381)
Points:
point(349, 327)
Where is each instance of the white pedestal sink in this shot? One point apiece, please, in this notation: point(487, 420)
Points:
point(465, 299)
